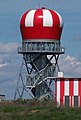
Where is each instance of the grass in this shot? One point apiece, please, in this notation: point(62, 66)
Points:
point(33, 110)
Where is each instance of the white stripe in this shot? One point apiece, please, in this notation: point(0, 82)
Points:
point(66, 90)
point(47, 18)
point(29, 20)
point(75, 88)
point(58, 92)
point(60, 18)
point(72, 101)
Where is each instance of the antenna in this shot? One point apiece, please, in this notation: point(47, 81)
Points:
point(37, 70)
point(27, 4)
point(52, 3)
point(39, 3)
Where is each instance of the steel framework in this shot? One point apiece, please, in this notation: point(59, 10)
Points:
point(38, 70)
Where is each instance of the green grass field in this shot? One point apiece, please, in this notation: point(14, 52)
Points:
point(32, 110)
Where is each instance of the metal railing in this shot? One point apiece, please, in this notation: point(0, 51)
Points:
point(25, 50)
point(41, 47)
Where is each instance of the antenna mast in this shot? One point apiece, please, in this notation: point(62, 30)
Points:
point(39, 3)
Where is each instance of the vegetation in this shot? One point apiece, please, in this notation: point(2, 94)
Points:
point(34, 110)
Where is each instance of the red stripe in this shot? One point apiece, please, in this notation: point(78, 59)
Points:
point(38, 32)
point(38, 18)
point(79, 90)
point(61, 92)
point(22, 21)
point(56, 19)
point(71, 92)
point(56, 91)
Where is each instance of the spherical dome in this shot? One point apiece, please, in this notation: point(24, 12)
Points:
point(41, 24)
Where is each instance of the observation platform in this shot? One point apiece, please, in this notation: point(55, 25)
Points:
point(41, 47)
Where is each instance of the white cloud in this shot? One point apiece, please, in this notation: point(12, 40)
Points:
point(9, 47)
point(3, 65)
point(10, 65)
point(9, 68)
point(70, 65)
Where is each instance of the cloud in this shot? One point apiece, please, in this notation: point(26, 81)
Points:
point(10, 63)
point(3, 65)
point(10, 66)
point(8, 47)
point(70, 65)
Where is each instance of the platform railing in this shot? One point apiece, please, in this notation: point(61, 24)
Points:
point(25, 50)
point(41, 47)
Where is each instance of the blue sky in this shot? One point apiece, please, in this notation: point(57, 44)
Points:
point(10, 38)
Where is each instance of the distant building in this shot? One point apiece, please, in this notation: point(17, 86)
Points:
point(68, 92)
point(2, 97)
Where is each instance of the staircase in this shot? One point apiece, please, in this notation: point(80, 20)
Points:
point(40, 88)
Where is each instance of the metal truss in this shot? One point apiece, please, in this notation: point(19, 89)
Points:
point(38, 71)
point(36, 76)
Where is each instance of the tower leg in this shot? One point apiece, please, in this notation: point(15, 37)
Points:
point(36, 76)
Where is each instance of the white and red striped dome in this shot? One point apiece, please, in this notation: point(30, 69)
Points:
point(41, 24)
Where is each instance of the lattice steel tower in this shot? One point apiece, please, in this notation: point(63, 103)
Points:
point(41, 31)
